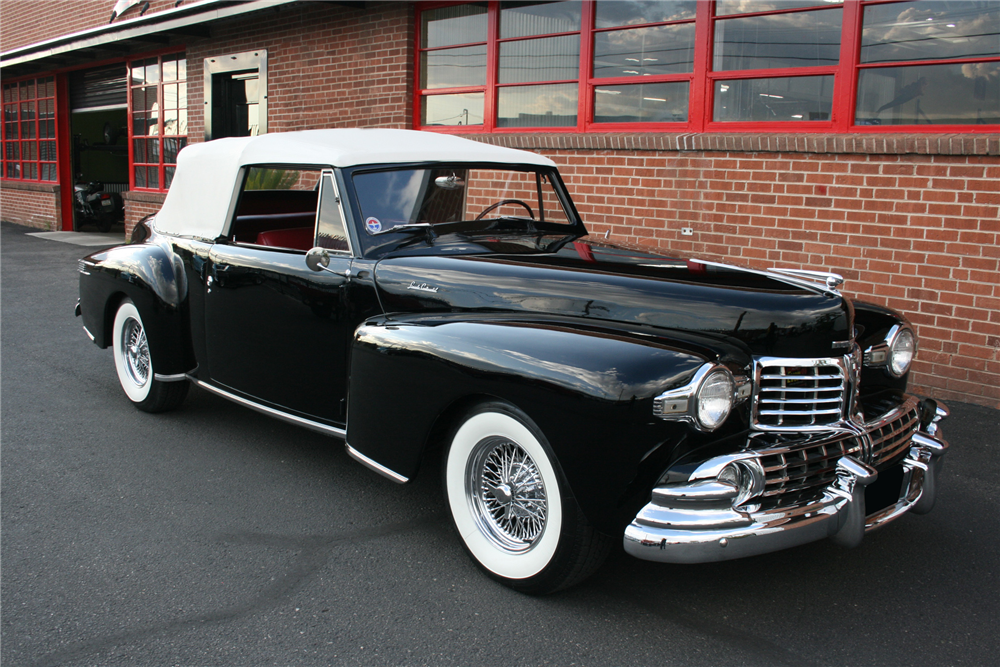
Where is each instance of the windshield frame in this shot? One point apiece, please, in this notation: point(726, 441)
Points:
point(379, 245)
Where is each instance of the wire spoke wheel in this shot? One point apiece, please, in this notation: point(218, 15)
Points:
point(508, 502)
point(134, 364)
point(507, 494)
point(135, 352)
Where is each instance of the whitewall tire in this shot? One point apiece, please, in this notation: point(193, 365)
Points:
point(134, 365)
point(511, 507)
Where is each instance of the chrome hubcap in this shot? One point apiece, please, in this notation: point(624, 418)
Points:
point(135, 352)
point(506, 494)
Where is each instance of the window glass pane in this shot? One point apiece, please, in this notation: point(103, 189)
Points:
point(48, 172)
point(139, 150)
point(330, 231)
point(521, 19)
point(47, 87)
point(642, 103)
point(930, 30)
point(801, 39)
point(537, 106)
point(152, 177)
point(169, 121)
point(461, 109)
point(453, 68)
point(642, 51)
point(152, 71)
point(927, 94)
point(13, 150)
point(30, 170)
point(140, 177)
point(724, 7)
point(169, 70)
point(171, 147)
point(9, 93)
point(168, 176)
point(139, 124)
point(800, 98)
point(612, 13)
point(30, 150)
point(47, 150)
point(463, 24)
point(28, 89)
point(547, 59)
point(13, 170)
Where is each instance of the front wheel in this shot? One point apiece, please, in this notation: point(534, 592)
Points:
point(135, 367)
point(512, 508)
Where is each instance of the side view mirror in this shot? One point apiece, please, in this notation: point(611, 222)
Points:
point(317, 259)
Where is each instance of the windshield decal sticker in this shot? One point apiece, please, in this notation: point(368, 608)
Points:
point(373, 225)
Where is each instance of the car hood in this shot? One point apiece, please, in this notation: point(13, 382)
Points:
point(772, 315)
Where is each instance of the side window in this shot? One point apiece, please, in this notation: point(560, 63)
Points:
point(330, 230)
point(277, 208)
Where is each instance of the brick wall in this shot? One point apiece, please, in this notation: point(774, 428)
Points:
point(328, 65)
point(918, 233)
point(30, 204)
point(24, 22)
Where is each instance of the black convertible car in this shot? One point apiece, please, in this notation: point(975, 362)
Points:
point(403, 291)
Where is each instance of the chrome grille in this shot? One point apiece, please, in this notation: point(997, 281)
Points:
point(796, 393)
point(804, 467)
point(797, 468)
point(893, 437)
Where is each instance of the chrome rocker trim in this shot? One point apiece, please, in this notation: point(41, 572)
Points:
point(697, 522)
point(375, 465)
point(271, 412)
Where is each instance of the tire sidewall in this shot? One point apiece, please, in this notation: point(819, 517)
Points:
point(496, 420)
point(137, 394)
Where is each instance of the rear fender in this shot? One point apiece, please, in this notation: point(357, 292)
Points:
point(589, 390)
point(152, 277)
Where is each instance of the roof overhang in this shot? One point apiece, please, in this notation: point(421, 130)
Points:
point(117, 40)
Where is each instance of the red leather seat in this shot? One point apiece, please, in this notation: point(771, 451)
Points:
point(300, 238)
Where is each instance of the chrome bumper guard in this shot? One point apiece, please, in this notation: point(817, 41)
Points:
point(697, 522)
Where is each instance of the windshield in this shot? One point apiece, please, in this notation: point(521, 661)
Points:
point(444, 197)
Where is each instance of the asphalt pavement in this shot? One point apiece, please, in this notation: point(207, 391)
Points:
point(214, 535)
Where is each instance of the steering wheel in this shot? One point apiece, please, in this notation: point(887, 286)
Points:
point(489, 208)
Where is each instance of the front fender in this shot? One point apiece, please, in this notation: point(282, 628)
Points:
point(152, 277)
point(588, 389)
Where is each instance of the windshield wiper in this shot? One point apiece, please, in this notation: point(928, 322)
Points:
point(426, 226)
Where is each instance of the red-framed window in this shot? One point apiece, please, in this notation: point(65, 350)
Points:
point(29, 130)
point(157, 101)
point(700, 65)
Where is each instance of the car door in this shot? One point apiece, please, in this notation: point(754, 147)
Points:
point(277, 333)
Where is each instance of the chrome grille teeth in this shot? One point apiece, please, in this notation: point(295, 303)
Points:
point(812, 467)
point(805, 394)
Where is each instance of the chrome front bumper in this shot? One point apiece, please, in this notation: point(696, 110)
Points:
point(697, 523)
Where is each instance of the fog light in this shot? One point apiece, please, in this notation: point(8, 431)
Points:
point(747, 475)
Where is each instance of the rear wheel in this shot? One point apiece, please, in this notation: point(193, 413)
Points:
point(512, 508)
point(134, 365)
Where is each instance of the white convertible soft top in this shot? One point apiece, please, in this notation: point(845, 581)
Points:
point(202, 189)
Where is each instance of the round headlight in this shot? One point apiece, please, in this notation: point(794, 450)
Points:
point(902, 352)
point(715, 399)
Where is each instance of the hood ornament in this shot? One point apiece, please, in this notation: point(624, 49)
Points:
point(831, 281)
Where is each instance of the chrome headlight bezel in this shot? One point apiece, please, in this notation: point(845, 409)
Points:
point(884, 354)
point(686, 403)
